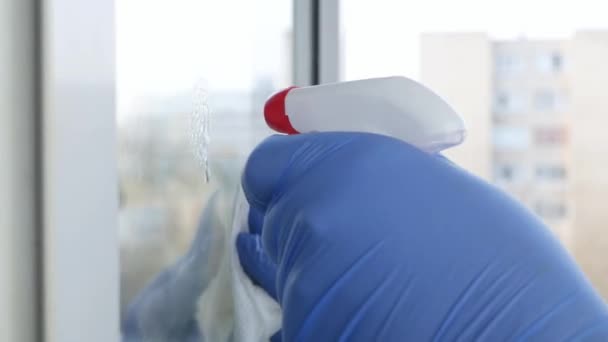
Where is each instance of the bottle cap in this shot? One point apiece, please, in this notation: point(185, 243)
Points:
point(275, 115)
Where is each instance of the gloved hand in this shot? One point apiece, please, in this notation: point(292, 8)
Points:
point(364, 237)
point(165, 310)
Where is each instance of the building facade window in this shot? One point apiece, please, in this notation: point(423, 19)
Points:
point(550, 209)
point(511, 137)
point(504, 173)
point(550, 62)
point(550, 172)
point(507, 102)
point(508, 63)
point(545, 100)
point(550, 136)
point(508, 173)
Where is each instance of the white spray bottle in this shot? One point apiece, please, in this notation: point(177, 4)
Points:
point(393, 106)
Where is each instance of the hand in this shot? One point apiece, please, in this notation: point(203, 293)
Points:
point(364, 237)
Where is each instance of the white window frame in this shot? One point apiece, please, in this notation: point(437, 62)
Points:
point(316, 41)
point(19, 171)
point(79, 172)
point(59, 266)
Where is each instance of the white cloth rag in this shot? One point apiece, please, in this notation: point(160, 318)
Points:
point(232, 308)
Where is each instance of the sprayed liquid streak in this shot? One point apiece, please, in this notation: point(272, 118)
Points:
point(200, 128)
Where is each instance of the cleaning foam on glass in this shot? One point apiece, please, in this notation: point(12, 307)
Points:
point(199, 127)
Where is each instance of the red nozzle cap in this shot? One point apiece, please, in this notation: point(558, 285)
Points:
point(274, 113)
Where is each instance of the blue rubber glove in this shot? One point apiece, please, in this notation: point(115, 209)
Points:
point(367, 238)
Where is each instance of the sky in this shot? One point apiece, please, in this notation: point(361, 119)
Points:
point(382, 39)
point(166, 46)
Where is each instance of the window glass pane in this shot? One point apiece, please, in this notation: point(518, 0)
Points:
point(491, 67)
point(175, 57)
